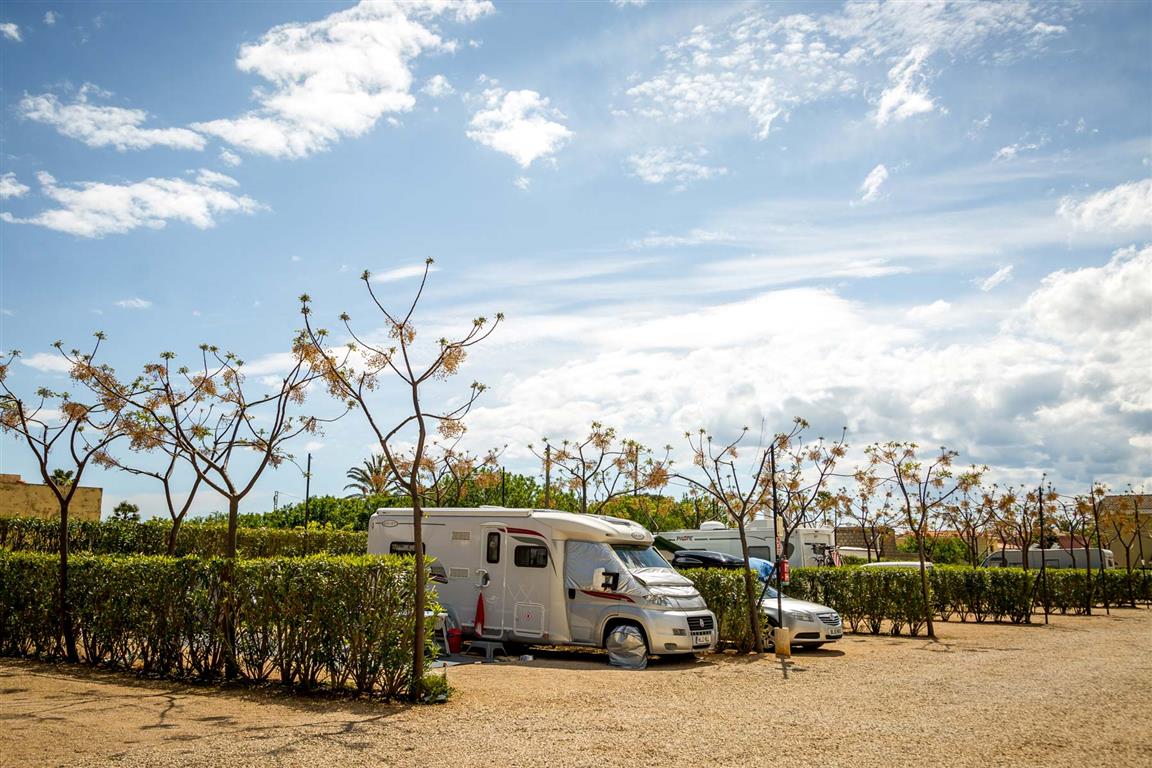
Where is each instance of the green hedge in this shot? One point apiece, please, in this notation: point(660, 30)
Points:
point(878, 599)
point(723, 591)
point(341, 621)
point(117, 537)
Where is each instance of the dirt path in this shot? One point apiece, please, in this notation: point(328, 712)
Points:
point(1075, 693)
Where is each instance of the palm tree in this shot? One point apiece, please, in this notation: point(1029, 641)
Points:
point(372, 478)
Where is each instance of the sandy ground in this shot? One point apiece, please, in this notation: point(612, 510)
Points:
point(1075, 693)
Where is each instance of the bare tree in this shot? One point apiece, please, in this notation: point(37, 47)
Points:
point(800, 474)
point(355, 374)
point(210, 416)
point(60, 430)
point(177, 510)
point(923, 487)
point(1092, 507)
point(1075, 519)
point(601, 468)
point(869, 505)
point(970, 515)
point(741, 499)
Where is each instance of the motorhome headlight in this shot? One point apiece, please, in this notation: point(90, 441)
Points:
point(661, 600)
point(799, 615)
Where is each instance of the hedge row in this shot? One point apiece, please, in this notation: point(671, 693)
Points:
point(872, 600)
point(343, 621)
point(118, 537)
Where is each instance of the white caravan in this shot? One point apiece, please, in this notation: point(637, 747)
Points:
point(806, 546)
point(546, 577)
point(1055, 557)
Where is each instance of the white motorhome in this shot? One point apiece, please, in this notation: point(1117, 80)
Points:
point(546, 577)
point(806, 546)
point(1055, 557)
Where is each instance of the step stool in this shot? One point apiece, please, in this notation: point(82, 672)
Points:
point(490, 647)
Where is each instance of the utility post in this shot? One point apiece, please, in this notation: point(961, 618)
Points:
point(503, 488)
point(547, 476)
point(307, 499)
point(1043, 559)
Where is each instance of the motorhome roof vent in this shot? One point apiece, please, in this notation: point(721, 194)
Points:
point(713, 525)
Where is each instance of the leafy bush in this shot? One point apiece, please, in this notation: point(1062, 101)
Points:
point(125, 537)
point(343, 621)
point(870, 599)
point(723, 591)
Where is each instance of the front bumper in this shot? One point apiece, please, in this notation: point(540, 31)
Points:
point(681, 631)
point(822, 628)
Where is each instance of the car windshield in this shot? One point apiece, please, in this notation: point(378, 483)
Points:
point(636, 557)
point(768, 592)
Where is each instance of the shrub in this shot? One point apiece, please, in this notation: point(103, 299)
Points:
point(121, 537)
point(344, 621)
point(723, 591)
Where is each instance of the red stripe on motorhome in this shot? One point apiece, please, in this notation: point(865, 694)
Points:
point(607, 595)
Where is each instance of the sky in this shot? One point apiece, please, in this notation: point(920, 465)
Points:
point(919, 221)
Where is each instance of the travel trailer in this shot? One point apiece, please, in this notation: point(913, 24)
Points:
point(1053, 558)
point(546, 577)
point(806, 546)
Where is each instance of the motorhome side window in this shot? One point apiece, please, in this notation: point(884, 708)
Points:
point(531, 557)
point(493, 545)
point(404, 548)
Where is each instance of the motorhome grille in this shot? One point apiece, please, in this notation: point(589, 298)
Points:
point(700, 623)
point(461, 535)
point(831, 619)
point(457, 573)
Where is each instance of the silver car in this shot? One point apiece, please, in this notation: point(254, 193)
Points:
point(812, 624)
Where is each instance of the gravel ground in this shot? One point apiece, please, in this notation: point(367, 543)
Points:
point(1075, 693)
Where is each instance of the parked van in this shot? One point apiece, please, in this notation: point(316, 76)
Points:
point(1052, 558)
point(546, 577)
point(806, 546)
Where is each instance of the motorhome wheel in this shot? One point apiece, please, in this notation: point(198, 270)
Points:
point(627, 647)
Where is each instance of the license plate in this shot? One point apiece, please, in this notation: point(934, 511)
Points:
point(835, 632)
point(700, 638)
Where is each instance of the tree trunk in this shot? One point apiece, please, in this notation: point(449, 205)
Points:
point(172, 532)
point(416, 684)
point(1087, 573)
point(63, 609)
point(750, 592)
point(228, 614)
point(924, 583)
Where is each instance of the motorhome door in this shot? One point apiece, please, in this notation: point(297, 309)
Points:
point(490, 582)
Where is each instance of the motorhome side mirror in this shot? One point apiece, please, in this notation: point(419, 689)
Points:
point(611, 581)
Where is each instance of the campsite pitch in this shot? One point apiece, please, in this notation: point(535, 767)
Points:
point(1070, 694)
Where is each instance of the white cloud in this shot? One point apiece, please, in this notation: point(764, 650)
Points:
point(905, 95)
point(312, 446)
point(872, 184)
point(630, 3)
point(10, 186)
point(694, 237)
point(338, 76)
point(1011, 151)
point(230, 158)
point(135, 303)
point(11, 32)
point(1123, 208)
point(402, 273)
point(213, 178)
point(95, 209)
point(102, 126)
point(929, 314)
point(51, 17)
point(1001, 275)
point(673, 164)
point(764, 65)
point(1035, 386)
point(522, 183)
point(438, 87)
point(47, 362)
point(520, 124)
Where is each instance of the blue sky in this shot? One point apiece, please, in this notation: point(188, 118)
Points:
point(925, 222)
